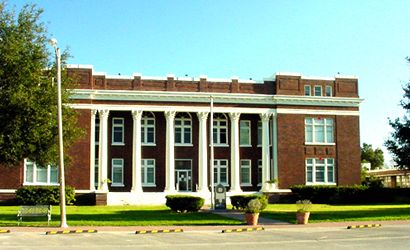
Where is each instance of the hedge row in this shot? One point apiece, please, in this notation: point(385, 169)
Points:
point(43, 195)
point(351, 194)
point(184, 203)
point(241, 201)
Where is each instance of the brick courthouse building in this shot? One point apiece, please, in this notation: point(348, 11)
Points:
point(149, 136)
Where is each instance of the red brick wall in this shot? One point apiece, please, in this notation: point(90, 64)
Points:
point(11, 177)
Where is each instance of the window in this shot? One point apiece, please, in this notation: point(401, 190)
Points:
point(259, 172)
point(320, 171)
point(246, 173)
point(183, 128)
point(319, 130)
point(307, 90)
point(97, 132)
point(117, 131)
point(245, 133)
point(148, 172)
point(260, 134)
point(318, 90)
point(96, 172)
point(220, 129)
point(328, 91)
point(148, 129)
point(39, 175)
point(117, 174)
point(221, 172)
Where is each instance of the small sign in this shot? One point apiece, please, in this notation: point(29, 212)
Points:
point(220, 197)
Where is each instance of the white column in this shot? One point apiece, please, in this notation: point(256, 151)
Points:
point(202, 153)
point(265, 150)
point(103, 151)
point(235, 159)
point(169, 157)
point(136, 151)
point(275, 145)
point(92, 149)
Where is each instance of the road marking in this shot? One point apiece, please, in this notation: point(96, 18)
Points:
point(4, 231)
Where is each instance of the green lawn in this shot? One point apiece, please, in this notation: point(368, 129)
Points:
point(116, 216)
point(332, 213)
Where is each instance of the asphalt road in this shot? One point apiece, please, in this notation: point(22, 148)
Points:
point(385, 237)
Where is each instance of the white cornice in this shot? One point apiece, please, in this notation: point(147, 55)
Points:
point(204, 97)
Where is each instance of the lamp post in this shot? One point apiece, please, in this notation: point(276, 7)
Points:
point(63, 222)
point(211, 162)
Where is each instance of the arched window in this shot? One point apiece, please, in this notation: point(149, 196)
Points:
point(183, 129)
point(148, 128)
point(220, 129)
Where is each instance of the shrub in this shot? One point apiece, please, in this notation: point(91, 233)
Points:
point(254, 206)
point(241, 201)
point(43, 195)
point(184, 203)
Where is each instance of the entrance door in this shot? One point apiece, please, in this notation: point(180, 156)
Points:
point(184, 180)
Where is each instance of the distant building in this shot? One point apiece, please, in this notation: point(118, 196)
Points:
point(150, 136)
point(392, 177)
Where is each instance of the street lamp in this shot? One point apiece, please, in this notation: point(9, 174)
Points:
point(63, 222)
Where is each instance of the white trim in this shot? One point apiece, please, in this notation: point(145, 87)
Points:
point(117, 184)
point(317, 112)
point(145, 166)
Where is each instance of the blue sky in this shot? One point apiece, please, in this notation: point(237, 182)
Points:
point(248, 39)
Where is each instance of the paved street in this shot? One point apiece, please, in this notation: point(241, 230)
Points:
point(385, 237)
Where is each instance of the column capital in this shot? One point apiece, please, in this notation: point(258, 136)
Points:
point(93, 112)
point(103, 113)
point(136, 114)
point(265, 116)
point(234, 116)
point(202, 115)
point(170, 114)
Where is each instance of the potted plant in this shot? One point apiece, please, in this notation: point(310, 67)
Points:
point(252, 211)
point(303, 211)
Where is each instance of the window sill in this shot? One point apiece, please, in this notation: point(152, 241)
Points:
point(220, 145)
point(39, 184)
point(320, 183)
point(117, 185)
point(184, 145)
point(320, 143)
point(246, 185)
point(245, 146)
point(149, 144)
point(117, 144)
point(149, 185)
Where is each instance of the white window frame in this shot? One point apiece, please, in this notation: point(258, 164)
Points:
point(249, 138)
point(329, 167)
point(113, 166)
point(217, 170)
point(97, 132)
point(249, 167)
point(309, 88)
point(328, 91)
point(144, 173)
point(121, 126)
point(35, 177)
point(147, 116)
point(327, 124)
point(184, 128)
point(314, 90)
point(218, 118)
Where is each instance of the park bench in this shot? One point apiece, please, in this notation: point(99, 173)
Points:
point(34, 211)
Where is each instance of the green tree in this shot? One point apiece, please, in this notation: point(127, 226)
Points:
point(399, 142)
point(374, 157)
point(28, 97)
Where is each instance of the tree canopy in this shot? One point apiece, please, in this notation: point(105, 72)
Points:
point(28, 97)
point(373, 156)
point(399, 142)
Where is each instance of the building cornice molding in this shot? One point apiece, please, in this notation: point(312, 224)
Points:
point(204, 97)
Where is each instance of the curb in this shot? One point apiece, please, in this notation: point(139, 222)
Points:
point(159, 231)
point(71, 231)
point(4, 231)
point(243, 230)
point(364, 226)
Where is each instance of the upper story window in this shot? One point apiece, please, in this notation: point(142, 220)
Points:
point(148, 172)
point(39, 175)
point(328, 91)
point(148, 129)
point(220, 129)
point(117, 172)
point(97, 132)
point(183, 129)
point(245, 133)
point(319, 130)
point(260, 172)
point(307, 90)
point(320, 171)
point(117, 131)
point(260, 134)
point(318, 90)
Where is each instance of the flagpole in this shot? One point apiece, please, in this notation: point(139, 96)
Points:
point(211, 156)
